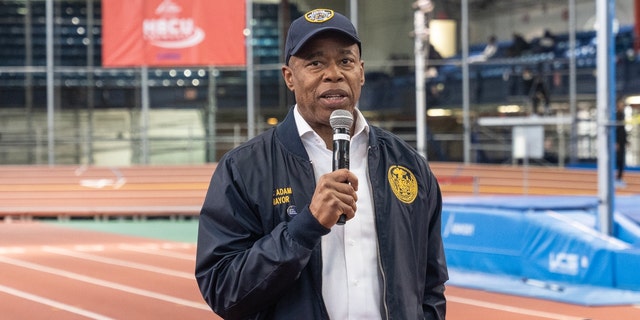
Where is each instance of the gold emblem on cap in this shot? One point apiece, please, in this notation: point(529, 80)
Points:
point(403, 183)
point(319, 15)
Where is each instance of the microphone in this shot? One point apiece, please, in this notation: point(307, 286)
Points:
point(341, 121)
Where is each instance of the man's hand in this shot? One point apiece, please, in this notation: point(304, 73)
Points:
point(335, 195)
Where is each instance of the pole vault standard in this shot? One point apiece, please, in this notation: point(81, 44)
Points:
point(605, 10)
point(251, 104)
point(51, 149)
point(421, 50)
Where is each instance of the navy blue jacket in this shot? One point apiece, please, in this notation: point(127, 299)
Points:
point(259, 255)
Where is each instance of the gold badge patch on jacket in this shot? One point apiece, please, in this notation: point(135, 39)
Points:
point(403, 183)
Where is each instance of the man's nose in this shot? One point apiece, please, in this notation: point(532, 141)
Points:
point(333, 72)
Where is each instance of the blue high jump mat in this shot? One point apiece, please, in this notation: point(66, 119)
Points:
point(584, 295)
point(546, 247)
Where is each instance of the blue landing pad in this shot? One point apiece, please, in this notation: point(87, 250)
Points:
point(585, 295)
point(494, 242)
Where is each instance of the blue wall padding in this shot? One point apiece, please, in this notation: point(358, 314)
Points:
point(487, 241)
point(627, 269)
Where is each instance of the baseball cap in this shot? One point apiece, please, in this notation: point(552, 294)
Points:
point(312, 23)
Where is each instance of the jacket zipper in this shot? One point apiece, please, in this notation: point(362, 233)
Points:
point(384, 284)
point(323, 307)
point(382, 274)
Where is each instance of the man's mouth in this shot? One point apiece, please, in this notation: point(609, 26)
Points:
point(333, 96)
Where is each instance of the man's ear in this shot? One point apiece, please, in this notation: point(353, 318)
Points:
point(362, 73)
point(287, 75)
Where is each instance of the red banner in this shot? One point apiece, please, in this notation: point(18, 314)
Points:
point(173, 33)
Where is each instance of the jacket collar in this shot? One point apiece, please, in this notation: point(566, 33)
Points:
point(287, 133)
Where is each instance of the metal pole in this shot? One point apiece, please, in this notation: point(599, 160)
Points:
point(419, 31)
point(90, 80)
point(250, 72)
point(50, 97)
point(573, 140)
point(28, 84)
point(605, 111)
point(144, 114)
point(211, 116)
point(353, 12)
point(465, 82)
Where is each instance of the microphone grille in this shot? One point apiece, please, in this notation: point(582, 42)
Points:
point(341, 119)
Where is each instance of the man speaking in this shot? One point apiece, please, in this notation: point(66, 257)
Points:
point(269, 242)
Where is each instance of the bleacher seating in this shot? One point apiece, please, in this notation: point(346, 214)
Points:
point(499, 79)
point(500, 76)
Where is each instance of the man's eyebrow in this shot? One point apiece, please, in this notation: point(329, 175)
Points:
point(348, 51)
point(314, 54)
point(321, 53)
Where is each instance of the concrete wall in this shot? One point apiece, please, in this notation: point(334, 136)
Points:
point(176, 137)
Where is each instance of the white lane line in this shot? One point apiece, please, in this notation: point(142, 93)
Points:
point(177, 245)
point(11, 250)
point(104, 283)
point(505, 308)
point(154, 251)
point(52, 303)
point(119, 262)
point(89, 247)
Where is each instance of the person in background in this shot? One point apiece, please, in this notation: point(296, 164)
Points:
point(535, 84)
point(488, 52)
point(269, 246)
point(491, 48)
point(518, 45)
point(621, 142)
point(546, 43)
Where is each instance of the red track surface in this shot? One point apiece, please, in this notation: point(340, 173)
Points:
point(53, 272)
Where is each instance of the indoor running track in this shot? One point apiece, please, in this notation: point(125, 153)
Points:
point(55, 272)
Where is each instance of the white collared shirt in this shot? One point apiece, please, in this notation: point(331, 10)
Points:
point(351, 280)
